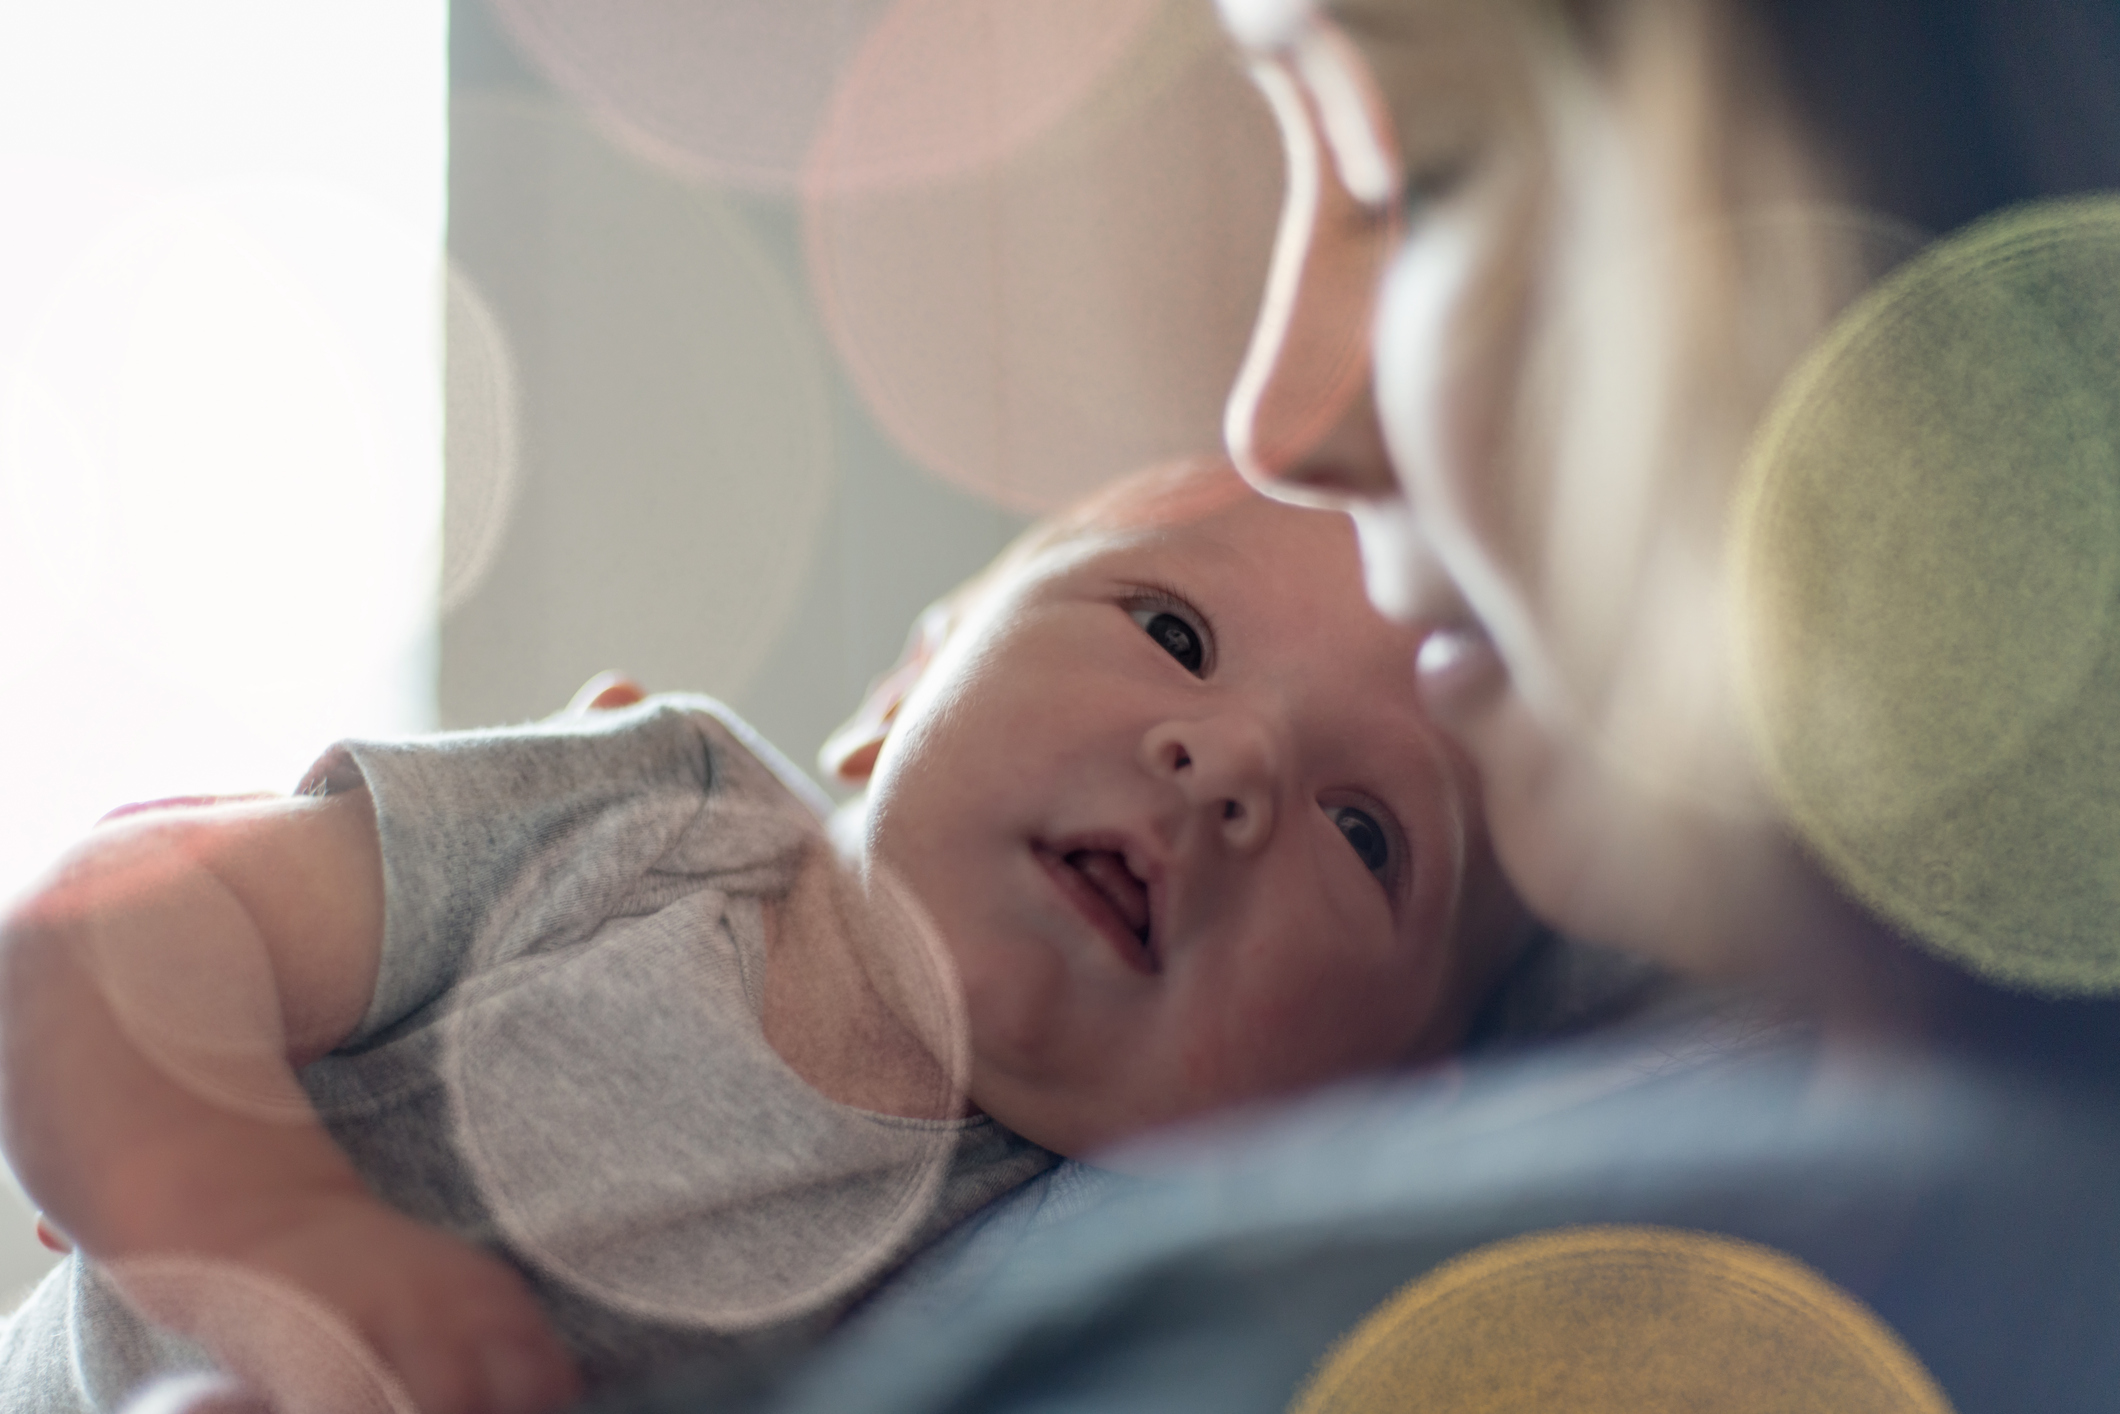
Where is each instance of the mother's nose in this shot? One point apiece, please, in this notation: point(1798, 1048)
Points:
point(1227, 771)
point(1301, 421)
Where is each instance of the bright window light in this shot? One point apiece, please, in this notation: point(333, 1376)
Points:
point(220, 396)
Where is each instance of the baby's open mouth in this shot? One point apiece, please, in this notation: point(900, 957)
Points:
point(1106, 872)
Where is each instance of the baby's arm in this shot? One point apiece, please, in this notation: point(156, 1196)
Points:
point(157, 992)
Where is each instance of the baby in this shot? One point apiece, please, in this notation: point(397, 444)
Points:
point(507, 1059)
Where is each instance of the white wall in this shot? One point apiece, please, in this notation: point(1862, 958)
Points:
point(219, 414)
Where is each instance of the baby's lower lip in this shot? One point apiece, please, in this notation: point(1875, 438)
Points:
point(1096, 910)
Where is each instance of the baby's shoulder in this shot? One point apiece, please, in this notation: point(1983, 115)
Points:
point(741, 760)
point(758, 814)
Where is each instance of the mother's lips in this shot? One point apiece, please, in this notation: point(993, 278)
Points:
point(1109, 895)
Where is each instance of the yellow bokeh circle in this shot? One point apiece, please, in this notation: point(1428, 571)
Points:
point(1927, 549)
point(1631, 1320)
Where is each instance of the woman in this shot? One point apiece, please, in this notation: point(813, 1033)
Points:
point(1610, 262)
point(1548, 278)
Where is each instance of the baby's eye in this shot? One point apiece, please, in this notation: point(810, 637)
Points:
point(1362, 831)
point(1174, 635)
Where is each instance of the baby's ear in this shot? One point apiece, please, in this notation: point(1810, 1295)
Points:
point(849, 754)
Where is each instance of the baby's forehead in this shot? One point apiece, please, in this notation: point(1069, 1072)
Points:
point(1164, 509)
point(1163, 498)
point(1191, 555)
point(1238, 551)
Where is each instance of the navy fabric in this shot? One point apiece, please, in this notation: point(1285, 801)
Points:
point(1971, 1198)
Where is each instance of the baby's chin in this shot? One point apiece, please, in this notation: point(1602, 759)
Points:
point(1146, 1146)
point(1074, 1121)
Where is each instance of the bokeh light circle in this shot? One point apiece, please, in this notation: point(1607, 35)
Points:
point(668, 1233)
point(1033, 323)
point(1928, 544)
point(1595, 564)
point(742, 91)
point(946, 88)
point(1622, 1320)
point(674, 447)
point(207, 1017)
point(480, 443)
point(732, 91)
point(272, 1335)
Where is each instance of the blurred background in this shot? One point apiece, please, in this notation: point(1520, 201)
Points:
point(369, 370)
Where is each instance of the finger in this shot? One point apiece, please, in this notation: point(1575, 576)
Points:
point(607, 690)
point(273, 1336)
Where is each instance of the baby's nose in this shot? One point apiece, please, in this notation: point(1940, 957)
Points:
point(1226, 768)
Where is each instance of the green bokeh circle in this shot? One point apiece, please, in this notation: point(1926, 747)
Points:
point(1928, 554)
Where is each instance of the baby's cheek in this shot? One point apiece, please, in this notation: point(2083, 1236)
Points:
point(1211, 1044)
point(1013, 998)
point(1272, 1040)
point(1372, 1007)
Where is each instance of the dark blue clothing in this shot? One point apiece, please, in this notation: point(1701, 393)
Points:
point(1969, 1195)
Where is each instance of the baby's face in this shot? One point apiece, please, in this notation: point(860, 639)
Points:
point(1171, 802)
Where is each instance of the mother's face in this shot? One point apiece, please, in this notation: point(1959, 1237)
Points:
point(1473, 340)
